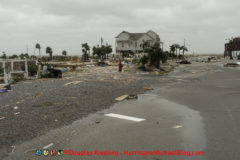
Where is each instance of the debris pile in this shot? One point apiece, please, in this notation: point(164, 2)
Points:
point(123, 97)
point(237, 64)
point(185, 62)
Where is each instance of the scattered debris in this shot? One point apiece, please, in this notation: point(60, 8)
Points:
point(3, 90)
point(237, 64)
point(47, 104)
point(10, 115)
point(13, 149)
point(20, 101)
point(148, 88)
point(4, 106)
point(121, 98)
point(8, 87)
point(1, 118)
point(97, 122)
point(74, 82)
point(102, 64)
point(16, 113)
point(132, 96)
point(185, 62)
point(177, 126)
point(16, 107)
point(36, 95)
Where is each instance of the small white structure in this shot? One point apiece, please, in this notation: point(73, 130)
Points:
point(8, 75)
point(132, 42)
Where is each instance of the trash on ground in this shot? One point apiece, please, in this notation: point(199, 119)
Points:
point(3, 90)
point(10, 115)
point(185, 62)
point(237, 64)
point(74, 82)
point(121, 98)
point(148, 88)
point(16, 113)
point(36, 95)
point(97, 122)
point(132, 96)
point(1, 118)
point(20, 101)
point(16, 107)
point(8, 87)
point(177, 126)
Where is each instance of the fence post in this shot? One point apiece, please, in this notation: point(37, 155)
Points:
point(4, 72)
point(26, 69)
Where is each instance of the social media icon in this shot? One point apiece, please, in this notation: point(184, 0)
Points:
point(53, 153)
point(45, 152)
point(39, 152)
point(60, 152)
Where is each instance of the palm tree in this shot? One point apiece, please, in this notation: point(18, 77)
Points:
point(38, 47)
point(184, 48)
point(172, 51)
point(85, 50)
point(155, 55)
point(64, 53)
point(49, 51)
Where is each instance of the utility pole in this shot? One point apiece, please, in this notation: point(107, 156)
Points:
point(101, 41)
point(27, 48)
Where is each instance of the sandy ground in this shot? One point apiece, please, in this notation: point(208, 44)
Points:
point(35, 107)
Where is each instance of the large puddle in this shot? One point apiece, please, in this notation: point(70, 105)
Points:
point(190, 121)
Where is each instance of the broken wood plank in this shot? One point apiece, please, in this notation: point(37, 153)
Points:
point(121, 98)
point(74, 82)
point(148, 88)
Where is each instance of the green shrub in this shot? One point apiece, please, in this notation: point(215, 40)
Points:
point(135, 61)
point(18, 77)
point(32, 70)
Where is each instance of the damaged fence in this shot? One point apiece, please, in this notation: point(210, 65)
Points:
point(10, 67)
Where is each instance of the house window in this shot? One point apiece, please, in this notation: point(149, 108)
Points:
point(135, 44)
point(122, 44)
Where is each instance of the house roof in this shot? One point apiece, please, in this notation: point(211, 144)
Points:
point(136, 36)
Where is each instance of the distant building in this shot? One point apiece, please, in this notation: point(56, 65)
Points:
point(232, 48)
point(131, 42)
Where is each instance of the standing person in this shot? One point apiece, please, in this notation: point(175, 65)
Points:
point(120, 66)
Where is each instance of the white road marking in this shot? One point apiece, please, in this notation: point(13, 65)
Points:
point(47, 146)
point(125, 117)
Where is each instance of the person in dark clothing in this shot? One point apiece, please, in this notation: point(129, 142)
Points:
point(120, 66)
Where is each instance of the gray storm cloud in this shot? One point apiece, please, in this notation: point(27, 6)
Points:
point(66, 24)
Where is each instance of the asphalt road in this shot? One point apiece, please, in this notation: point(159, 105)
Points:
point(192, 114)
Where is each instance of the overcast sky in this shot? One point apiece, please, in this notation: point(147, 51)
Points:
point(66, 24)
